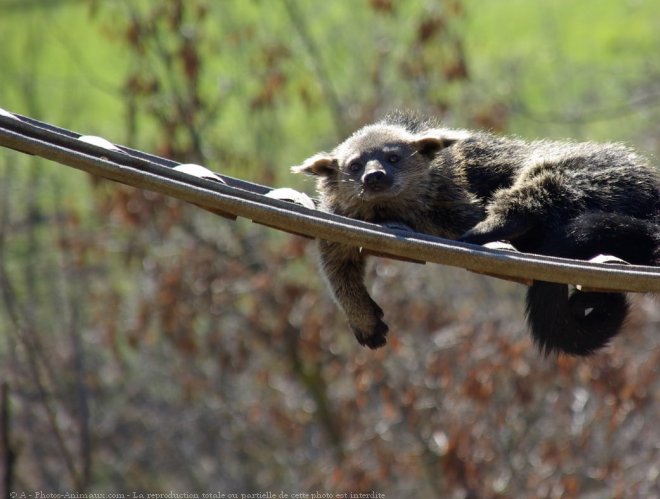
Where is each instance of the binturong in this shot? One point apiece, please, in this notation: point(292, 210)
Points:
point(565, 199)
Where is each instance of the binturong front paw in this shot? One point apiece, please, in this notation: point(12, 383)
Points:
point(368, 327)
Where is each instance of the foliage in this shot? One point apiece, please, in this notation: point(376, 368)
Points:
point(150, 346)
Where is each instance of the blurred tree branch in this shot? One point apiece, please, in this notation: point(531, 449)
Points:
point(299, 25)
point(25, 328)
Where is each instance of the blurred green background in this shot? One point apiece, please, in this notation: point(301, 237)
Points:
point(149, 346)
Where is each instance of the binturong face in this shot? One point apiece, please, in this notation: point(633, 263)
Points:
point(378, 163)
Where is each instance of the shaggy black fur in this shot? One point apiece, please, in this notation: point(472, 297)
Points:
point(566, 199)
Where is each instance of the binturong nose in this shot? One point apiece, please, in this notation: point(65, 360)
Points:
point(375, 177)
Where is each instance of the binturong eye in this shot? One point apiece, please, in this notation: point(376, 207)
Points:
point(394, 158)
point(354, 167)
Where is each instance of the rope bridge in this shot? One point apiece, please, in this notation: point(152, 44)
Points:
point(231, 197)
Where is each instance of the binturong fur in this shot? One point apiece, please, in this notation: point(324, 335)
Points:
point(566, 199)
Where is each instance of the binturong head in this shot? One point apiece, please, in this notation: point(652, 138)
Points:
point(380, 164)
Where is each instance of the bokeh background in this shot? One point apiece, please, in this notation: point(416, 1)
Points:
point(147, 345)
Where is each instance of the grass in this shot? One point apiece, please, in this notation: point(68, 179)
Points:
point(563, 58)
point(557, 57)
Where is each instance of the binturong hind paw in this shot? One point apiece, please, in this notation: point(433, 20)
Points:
point(368, 328)
point(398, 226)
point(495, 229)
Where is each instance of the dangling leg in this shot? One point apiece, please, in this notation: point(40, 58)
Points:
point(343, 267)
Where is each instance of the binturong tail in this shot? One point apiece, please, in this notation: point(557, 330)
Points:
point(581, 322)
point(576, 324)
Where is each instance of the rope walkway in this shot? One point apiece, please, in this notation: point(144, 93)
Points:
point(233, 198)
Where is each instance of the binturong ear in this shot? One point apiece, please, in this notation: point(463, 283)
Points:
point(432, 141)
point(321, 164)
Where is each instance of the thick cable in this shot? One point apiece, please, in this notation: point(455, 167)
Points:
point(245, 199)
